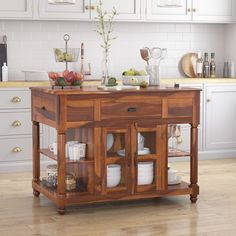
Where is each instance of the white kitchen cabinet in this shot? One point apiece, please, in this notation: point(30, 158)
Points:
point(79, 10)
point(127, 10)
point(220, 117)
point(16, 9)
point(156, 10)
point(213, 11)
point(220, 11)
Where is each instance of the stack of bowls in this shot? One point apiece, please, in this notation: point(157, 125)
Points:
point(113, 175)
point(145, 173)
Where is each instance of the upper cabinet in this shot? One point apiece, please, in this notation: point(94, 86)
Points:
point(213, 11)
point(79, 10)
point(86, 9)
point(220, 11)
point(167, 10)
point(127, 10)
point(16, 9)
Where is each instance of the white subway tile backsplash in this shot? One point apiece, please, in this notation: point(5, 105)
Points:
point(30, 44)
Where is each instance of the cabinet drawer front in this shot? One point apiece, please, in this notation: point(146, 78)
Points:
point(10, 99)
point(179, 108)
point(14, 123)
point(13, 149)
point(114, 109)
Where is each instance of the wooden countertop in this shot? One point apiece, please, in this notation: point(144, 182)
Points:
point(10, 84)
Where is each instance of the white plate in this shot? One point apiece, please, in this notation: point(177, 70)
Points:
point(110, 141)
point(176, 181)
point(145, 151)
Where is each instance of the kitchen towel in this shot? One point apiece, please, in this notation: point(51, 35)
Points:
point(3, 54)
point(170, 3)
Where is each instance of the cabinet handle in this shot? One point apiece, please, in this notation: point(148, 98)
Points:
point(132, 109)
point(16, 150)
point(86, 7)
point(16, 123)
point(189, 9)
point(194, 9)
point(92, 8)
point(208, 100)
point(16, 99)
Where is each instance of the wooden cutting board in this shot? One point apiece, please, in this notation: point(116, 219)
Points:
point(188, 64)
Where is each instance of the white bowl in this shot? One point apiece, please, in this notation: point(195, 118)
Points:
point(113, 181)
point(135, 79)
point(145, 180)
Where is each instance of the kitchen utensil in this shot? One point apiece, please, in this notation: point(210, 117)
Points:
point(188, 65)
point(156, 52)
point(145, 54)
point(3, 53)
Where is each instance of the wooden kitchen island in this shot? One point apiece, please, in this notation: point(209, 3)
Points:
point(88, 115)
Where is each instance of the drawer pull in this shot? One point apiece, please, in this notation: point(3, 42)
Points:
point(87, 7)
point(92, 8)
point(16, 150)
point(16, 123)
point(16, 99)
point(132, 109)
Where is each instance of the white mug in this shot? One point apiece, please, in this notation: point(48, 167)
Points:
point(69, 143)
point(172, 175)
point(77, 151)
point(53, 148)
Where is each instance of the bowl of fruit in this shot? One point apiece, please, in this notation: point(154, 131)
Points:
point(135, 77)
point(66, 78)
point(71, 55)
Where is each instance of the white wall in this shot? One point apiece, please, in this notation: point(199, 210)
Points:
point(230, 43)
point(30, 44)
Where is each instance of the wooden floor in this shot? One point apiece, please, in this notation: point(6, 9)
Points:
point(213, 215)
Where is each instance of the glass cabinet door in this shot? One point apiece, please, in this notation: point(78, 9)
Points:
point(117, 160)
point(150, 158)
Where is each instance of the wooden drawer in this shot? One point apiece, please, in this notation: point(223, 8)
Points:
point(131, 108)
point(13, 149)
point(14, 99)
point(15, 123)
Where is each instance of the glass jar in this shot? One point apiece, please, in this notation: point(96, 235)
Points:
point(106, 68)
point(70, 182)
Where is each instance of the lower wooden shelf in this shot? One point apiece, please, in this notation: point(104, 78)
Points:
point(72, 198)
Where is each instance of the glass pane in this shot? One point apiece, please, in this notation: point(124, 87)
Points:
point(115, 144)
point(146, 143)
point(146, 173)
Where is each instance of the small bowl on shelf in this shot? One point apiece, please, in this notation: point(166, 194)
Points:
point(66, 79)
point(71, 55)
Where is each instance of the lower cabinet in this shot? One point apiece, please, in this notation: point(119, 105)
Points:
point(220, 117)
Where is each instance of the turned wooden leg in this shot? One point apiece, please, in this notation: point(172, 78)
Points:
point(36, 193)
point(61, 211)
point(194, 164)
point(36, 155)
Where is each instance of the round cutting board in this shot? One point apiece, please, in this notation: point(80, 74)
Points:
point(188, 64)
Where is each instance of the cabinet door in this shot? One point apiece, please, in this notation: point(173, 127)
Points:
point(127, 10)
point(79, 10)
point(220, 115)
point(157, 10)
point(213, 11)
point(116, 156)
point(150, 158)
point(16, 9)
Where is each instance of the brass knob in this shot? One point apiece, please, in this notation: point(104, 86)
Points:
point(16, 149)
point(92, 7)
point(16, 123)
point(208, 100)
point(194, 9)
point(189, 9)
point(16, 99)
point(86, 7)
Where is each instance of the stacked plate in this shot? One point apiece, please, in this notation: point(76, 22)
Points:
point(145, 173)
point(113, 175)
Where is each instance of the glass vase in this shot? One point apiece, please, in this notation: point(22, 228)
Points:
point(106, 68)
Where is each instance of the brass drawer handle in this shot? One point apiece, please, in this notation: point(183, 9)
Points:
point(16, 123)
point(17, 149)
point(194, 9)
point(16, 99)
point(189, 9)
point(86, 7)
point(92, 8)
point(132, 109)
